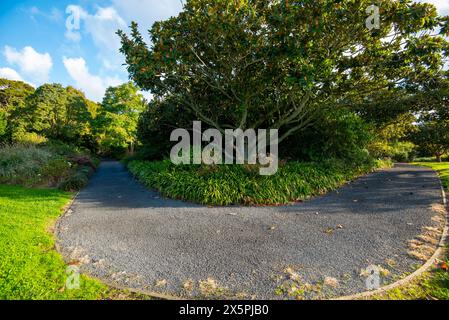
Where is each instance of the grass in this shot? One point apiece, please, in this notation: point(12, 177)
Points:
point(236, 184)
point(435, 283)
point(30, 267)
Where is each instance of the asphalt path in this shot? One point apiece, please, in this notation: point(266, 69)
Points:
point(125, 234)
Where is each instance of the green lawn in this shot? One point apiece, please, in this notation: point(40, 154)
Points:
point(30, 268)
point(433, 284)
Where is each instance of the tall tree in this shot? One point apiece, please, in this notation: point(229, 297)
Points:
point(12, 100)
point(116, 124)
point(280, 64)
point(59, 113)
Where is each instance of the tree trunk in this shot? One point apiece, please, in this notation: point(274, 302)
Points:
point(439, 158)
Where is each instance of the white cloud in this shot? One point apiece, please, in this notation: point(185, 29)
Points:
point(54, 14)
point(32, 64)
point(92, 85)
point(10, 74)
point(102, 27)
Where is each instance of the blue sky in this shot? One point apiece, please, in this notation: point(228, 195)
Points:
point(36, 45)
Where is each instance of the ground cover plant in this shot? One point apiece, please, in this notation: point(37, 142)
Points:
point(234, 184)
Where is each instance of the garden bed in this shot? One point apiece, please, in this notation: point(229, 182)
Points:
point(235, 184)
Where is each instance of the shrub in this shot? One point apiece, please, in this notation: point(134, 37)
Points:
point(55, 170)
point(28, 138)
point(29, 165)
point(22, 164)
point(235, 184)
point(398, 151)
point(338, 135)
point(75, 182)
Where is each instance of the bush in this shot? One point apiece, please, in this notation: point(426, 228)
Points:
point(22, 164)
point(398, 151)
point(28, 138)
point(235, 184)
point(29, 165)
point(55, 171)
point(338, 135)
point(75, 182)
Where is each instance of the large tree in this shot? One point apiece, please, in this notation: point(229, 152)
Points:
point(12, 100)
point(59, 113)
point(432, 136)
point(280, 64)
point(116, 124)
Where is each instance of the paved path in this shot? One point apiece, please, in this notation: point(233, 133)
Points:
point(131, 236)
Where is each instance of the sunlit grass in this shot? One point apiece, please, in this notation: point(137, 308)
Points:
point(30, 267)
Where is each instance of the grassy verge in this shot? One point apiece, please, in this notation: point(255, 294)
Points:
point(435, 283)
point(236, 184)
point(30, 268)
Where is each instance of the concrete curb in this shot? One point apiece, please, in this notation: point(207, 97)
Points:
point(439, 253)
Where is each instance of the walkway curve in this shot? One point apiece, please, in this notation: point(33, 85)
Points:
point(127, 235)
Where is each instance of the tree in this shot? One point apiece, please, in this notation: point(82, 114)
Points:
point(280, 64)
point(116, 124)
point(59, 113)
point(12, 100)
point(432, 136)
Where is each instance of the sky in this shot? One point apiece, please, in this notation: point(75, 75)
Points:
point(73, 42)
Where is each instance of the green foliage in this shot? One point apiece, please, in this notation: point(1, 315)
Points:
point(116, 123)
point(58, 113)
point(341, 134)
point(12, 99)
point(265, 64)
point(391, 138)
point(3, 123)
point(432, 136)
point(155, 126)
point(234, 184)
point(75, 182)
point(22, 164)
point(49, 166)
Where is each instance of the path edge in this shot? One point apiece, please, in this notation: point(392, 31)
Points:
point(439, 253)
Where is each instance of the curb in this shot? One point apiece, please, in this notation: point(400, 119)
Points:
point(439, 253)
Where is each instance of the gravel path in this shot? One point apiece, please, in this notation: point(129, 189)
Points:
point(125, 234)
